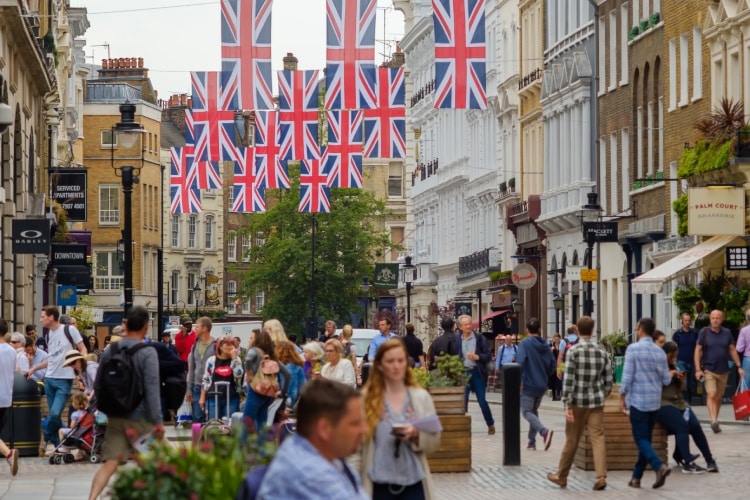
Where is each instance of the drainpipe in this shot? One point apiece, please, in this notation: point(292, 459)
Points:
point(595, 153)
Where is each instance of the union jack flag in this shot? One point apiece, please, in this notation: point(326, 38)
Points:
point(213, 125)
point(314, 193)
point(189, 128)
point(206, 174)
point(343, 156)
point(298, 114)
point(385, 126)
point(460, 67)
point(350, 67)
point(185, 195)
point(270, 169)
point(246, 53)
point(248, 192)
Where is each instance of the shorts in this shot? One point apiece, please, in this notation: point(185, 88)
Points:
point(117, 445)
point(716, 382)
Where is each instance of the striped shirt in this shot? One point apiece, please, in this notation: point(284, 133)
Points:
point(587, 380)
point(644, 374)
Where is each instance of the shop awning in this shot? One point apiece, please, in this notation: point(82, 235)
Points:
point(653, 280)
point(475, 323)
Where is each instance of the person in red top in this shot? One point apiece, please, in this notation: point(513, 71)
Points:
point(185, 339)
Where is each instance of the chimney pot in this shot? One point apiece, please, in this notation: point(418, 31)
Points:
point(105, 63)
point(140, 62)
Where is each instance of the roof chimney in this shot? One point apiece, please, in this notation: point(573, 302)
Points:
point(290, 62)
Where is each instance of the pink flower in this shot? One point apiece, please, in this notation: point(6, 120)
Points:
point(139, 484)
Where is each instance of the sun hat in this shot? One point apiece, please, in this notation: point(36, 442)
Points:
point(72, 356)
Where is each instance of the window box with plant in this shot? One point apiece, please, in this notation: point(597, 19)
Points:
point(654, 19)
point(634, 32)
point(500, 278)
point(643, 25)
point(512, 184)
point(503, 187)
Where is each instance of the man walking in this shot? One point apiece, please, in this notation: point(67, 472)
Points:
point(384, 325)
point(185, 339)
point(506, 353)
point(146, 417)
point(571, 339)
point(686, 338)
point(7, 369)
point(712, 352)
point(58, 381)
point(475, 353)
point(644, 373)
point(537, 364)
point(442, 344)
point(203, 349)
point(587, 381)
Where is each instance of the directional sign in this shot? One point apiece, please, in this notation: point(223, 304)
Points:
point(589, 274)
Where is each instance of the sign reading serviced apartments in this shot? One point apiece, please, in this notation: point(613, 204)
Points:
point(69, 190)
point(716, 210)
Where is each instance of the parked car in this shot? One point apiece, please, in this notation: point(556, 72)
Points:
point(361, 338)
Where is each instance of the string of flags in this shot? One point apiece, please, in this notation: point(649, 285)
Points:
point(364, 104)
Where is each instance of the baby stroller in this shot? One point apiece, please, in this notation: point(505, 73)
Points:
point(83, 440)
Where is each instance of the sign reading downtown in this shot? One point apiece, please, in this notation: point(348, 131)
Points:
point(69, 190)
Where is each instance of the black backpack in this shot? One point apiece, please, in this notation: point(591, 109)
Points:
point(119, 389)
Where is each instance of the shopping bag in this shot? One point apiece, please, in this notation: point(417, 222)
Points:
point(184, 413)
point(741, 401)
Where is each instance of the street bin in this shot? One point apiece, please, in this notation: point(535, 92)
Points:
point(23, 425)
point(619, 361)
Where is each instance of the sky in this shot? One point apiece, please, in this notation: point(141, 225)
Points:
point(175, 37)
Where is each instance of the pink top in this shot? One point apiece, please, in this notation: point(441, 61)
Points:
point(743, 341)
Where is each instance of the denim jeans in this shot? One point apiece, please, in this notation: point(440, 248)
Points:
point(256, 408)
point(58, 392)
point(234, 406)
point(198, 415)
point(530, 411)
point(642, 423)
point(746, 367)
point(478, 386)
point(674, 421)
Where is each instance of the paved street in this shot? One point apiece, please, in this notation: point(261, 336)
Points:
point(38, 480)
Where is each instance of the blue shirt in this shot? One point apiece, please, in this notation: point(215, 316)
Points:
point(300, 472)
point(376, 342)
point(505, 354)
point(644, 373)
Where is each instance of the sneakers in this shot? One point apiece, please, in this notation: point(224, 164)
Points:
point(12, 460)
point(661, 476)
point(531, 447)
point(681, 462)
point(491, 430)
point(692, 468)
point(715, 427)
point(711, 467)
point(548, 439)
point(562, 483)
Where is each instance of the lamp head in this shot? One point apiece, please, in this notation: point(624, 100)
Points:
point(128, 129)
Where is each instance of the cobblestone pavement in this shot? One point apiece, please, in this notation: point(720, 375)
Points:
point(37, 480)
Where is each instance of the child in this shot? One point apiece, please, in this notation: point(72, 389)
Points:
point(79, 403)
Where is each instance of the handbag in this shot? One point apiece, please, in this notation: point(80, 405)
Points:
point(184, 413)
point(741, 401)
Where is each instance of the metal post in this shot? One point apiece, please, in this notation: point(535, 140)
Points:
point(312, 321)
point(511, 373)
point(408, 302)
point(588, 303)
point(127, 235)
point(160, 266)
point(479, 312)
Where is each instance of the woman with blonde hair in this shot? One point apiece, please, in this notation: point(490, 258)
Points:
point(350, 350)
point(394, 452)
point(313, 354)
point(338, 368)
point(275, 329)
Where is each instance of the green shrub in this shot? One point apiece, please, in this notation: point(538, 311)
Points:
point(680, 206)
point(634, 32)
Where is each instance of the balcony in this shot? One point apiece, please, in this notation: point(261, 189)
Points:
point(423, 92)
point(532, 77)
point(479, 263)
point(424, 171)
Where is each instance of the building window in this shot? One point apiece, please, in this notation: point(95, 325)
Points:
point(246, 247)
point(612, 49)
point(232, 246)
point(230, 198)
point(697, 63)
point(108, 139)
point(109, 204)
point(624, 30)
point(210, 244)
point(192, 294)
point(108, 275)
point(672, 74)
point(396, 180)
point(625, 170)
point(613, 168)
point(192, 231)
point(602, 56)
point(683, 70)
point(246, 305)
point(260, 300)
point(174, 287)
point(259, 239)
point(175, 231)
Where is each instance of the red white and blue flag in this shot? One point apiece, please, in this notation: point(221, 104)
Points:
point(298, 115)
point(248, 191)
point(189, 128)
point(184, 193)
point(271, 171)
point(213, 125)
point(314, 193)
point(343, 156)
point(350, 54)
point(246, 54)
point(460, 54)
point(385, 126)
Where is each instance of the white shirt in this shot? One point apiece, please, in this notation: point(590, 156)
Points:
point(7, 370)
point(23, 364)
point(342, 372)
point(58, 344)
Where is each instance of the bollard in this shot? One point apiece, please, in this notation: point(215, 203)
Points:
point(511, 374)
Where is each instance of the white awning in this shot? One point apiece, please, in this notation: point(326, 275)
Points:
point(653, 280)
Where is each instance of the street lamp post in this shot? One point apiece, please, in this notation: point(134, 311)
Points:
point(196, 291)
point(128, 131)
point(559, 302)
point(409, 271)
point(365, 287)
point(590, 212)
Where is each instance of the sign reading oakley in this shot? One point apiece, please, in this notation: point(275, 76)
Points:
point(31, 236)
point(716, 210)
point(69, 190)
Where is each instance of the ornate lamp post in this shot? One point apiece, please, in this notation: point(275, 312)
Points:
point(590, 212)
point(408, 274)
point(196, 292)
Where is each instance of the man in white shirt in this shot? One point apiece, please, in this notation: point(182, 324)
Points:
point(7, 367)
point(58, 381)
point(31, 357)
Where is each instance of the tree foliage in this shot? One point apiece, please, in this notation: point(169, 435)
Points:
point(347, 241)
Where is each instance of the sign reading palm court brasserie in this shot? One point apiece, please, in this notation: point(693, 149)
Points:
point(716, 210)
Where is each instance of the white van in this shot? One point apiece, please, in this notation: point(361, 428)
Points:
point(361, 338)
